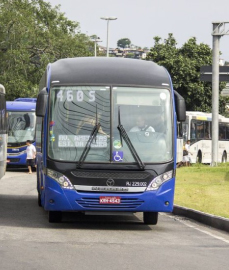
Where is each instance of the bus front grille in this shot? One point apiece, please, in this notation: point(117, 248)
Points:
point(93, 203)
point(113, 175)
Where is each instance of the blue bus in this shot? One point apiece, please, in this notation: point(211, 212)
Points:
point(3, 131)
point(21, 127)
point(106, 137)
point(26, 99)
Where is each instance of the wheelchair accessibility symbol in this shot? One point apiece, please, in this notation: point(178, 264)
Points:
point(117, 156)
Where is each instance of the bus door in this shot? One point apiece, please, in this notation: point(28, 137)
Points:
point(207, 141)
point(223, 136)
point(201, 140)
point(195, 144)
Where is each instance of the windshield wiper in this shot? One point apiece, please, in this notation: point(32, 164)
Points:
point(87, 147)
point(126, 138)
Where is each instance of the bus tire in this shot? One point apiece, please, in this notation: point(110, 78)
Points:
point(199, 157)
point(150, 218)
point(55, 216)
point(39, 199)
point(224, 157)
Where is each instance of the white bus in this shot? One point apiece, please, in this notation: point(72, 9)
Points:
point(180, 142)
point(197, 128)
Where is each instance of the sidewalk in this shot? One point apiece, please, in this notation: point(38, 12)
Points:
point(207, 219)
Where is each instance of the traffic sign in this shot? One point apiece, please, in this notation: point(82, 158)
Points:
point(206, 73)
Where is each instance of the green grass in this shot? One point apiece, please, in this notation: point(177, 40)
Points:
point(204, 188)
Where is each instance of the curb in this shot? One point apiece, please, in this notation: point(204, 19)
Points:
point(207, 219)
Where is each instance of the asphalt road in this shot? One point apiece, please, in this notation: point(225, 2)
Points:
point(28, 241)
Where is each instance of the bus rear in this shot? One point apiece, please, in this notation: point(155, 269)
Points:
point(106, 137)
point(21, 127)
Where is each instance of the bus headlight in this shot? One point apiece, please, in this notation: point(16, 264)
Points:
point(61, 179)
point(159, 180)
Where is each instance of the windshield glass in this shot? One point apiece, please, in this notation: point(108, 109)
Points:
point(74, 112)
point(21, 127)
point(145, 114)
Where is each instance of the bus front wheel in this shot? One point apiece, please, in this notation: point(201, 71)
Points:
point(55, 216)
point(224, 157)
point(39, 199)
point(150, 218)
point(199, 158)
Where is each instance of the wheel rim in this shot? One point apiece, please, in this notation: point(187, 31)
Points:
point(224, 158)
point(198, 158)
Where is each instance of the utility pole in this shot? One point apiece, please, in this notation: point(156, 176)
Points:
point(219, 30)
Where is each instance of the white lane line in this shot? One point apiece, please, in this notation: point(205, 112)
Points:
point(200, 230)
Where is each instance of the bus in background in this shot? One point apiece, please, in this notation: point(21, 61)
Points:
point(198, 129)
point(21, 127)
point(180, 143)
point(3, 131)
point(106, 137)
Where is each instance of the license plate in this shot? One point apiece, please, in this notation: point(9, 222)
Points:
point(109, 200)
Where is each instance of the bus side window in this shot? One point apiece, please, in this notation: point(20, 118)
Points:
point(200, 129)
point(227, 131)
point(222, 131)
point(207, 130)
point(193, 130)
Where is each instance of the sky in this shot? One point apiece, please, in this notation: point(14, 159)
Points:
point(141, 20)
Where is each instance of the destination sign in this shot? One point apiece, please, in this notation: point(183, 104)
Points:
point(81, 141)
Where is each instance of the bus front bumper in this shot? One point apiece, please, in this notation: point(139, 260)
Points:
point(19, 159)
point(58, 199)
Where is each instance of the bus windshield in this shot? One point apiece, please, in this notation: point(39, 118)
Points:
point(144, 113)
point(21, 127)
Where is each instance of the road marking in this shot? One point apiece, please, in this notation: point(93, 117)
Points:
point(198, 229)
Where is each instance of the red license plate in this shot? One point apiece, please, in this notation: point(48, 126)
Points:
point(109, 200)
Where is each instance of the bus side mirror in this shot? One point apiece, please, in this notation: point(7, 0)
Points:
point(180, 107)
point(42, 101)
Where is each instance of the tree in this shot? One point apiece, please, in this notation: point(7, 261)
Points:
point(32, 34)
point(184, 65)
point(123, 42)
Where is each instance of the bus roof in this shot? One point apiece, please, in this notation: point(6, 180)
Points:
point(109, 71)
point(205, 116)
point(20, 106)
point(26, 99)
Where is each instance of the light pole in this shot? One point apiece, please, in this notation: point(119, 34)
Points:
point(108, 19)
point(219, 29)
point(95, 40)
